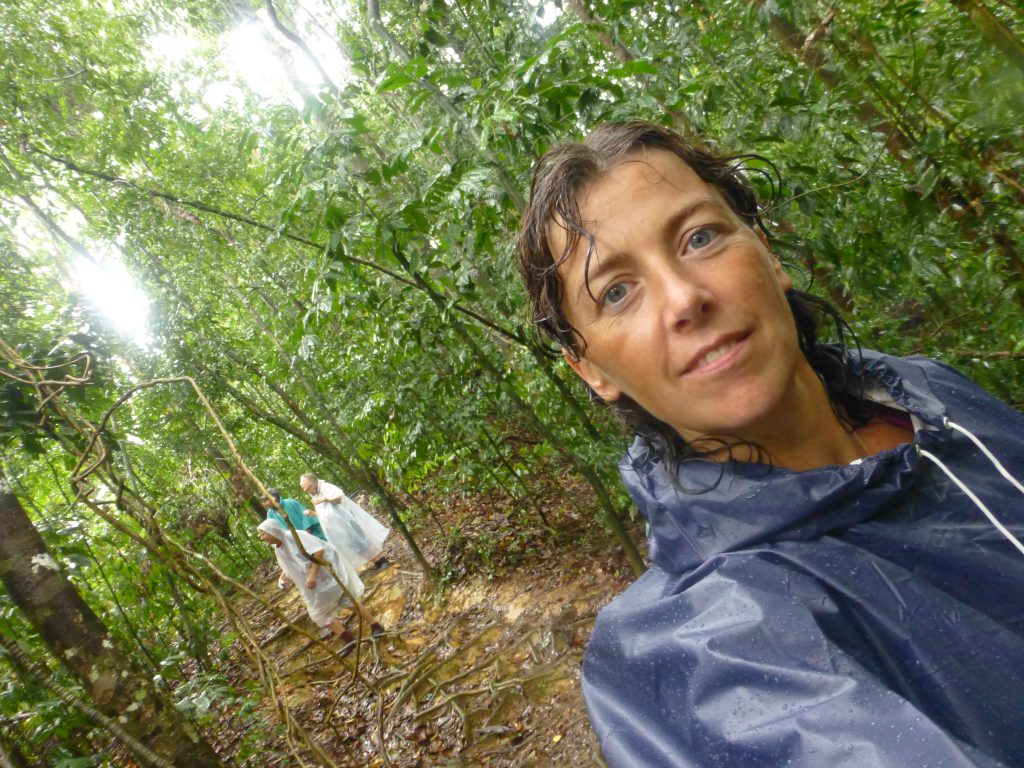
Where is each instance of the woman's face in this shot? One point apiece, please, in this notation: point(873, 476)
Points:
point(690, 318)
point(307, 485)
point(271, 540)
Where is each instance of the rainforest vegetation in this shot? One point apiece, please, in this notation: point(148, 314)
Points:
point(243, 240)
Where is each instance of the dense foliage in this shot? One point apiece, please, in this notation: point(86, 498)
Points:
point(320, 200)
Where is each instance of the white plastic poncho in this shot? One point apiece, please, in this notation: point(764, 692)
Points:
point(323, 600)
point(357, 537)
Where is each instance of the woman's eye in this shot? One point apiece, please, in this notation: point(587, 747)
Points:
point(701, 238)
point(614, 294)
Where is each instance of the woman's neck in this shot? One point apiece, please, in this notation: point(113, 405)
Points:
point(804, 432)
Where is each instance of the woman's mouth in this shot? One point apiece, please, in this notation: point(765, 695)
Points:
point(718, 356)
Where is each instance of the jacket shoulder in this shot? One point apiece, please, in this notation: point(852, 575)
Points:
point(731, 664)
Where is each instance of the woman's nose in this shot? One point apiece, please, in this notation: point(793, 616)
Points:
point(683, 301)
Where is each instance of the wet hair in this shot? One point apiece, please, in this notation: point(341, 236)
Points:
point(561, 175)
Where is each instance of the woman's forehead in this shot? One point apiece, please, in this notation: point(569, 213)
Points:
point(656, 188)
point(655, 171)
point(613, 193)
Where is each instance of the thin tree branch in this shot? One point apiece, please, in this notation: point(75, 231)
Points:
point(515, 336)
point(298, 41)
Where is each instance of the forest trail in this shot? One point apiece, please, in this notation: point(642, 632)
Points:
point(189, 209)
point(488, 676)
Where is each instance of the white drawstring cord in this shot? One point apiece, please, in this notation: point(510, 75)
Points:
point(1002, 470)
point(970, 494)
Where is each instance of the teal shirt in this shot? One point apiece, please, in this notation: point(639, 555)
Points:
point(301, 522)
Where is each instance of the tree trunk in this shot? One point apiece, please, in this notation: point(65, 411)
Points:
point(603, 32)
point(10, 754)
point(794, 41)
point(129, 624)
point(399, 51)
point(900, 143)
point(993, 30)
point(239, 484)
point(75, 635)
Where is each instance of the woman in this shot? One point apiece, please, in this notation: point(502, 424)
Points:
point(296, 514)
point(822, 593)
point(358, 538)
point(320, 591)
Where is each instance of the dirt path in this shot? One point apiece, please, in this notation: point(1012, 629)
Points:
point(487, 675)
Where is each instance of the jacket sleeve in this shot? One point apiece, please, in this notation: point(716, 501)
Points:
point(329, 492)
point(717, 669)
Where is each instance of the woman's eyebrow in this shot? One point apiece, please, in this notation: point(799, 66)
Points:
point(597, 266)
point(676, 221)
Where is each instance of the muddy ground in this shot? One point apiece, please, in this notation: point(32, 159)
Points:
point(481, 669)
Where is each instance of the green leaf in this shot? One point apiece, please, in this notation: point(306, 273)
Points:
point(395, 82)
point(433, 37)
point(926, 181)
point(635, 67)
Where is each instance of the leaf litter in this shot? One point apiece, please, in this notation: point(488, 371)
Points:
point(481, 672)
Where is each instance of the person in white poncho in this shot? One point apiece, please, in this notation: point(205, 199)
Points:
point(321, 593)
point(357, 537)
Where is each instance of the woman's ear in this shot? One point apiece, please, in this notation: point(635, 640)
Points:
point(593, 376)
point(780, 272)
point(785, 281)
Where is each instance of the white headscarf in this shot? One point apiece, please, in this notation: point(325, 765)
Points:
point(323, 600)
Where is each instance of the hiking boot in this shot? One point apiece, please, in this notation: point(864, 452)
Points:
point(350, 643)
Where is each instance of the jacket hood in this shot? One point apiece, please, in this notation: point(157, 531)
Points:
point(754, 503)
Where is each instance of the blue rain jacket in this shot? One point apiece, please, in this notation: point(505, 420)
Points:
point(866, 616)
